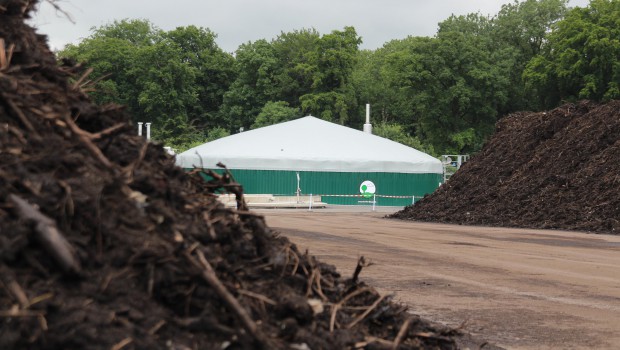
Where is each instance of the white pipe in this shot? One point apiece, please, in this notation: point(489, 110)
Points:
point(368, 126)
point(139, 128)
point(148, 131)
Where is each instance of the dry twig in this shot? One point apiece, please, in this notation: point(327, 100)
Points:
point(42, 322)
point(41, 298)
point(156, 327)
point(5, 56)
point(86, 137)
point(361, 263)
point(211, 278)
point(81, 79)
point(318, 289)
point(368, 311)
point(48, 235)
point(151, 282)
point(401, 333)
point(121, 344)
point(22, 117)
point(131, 167)
point(295, 257)
point(7, 277)
point(57, 8)
point(310, 282)
point(371, 339)
point(336, 307)
point(20, 313)
point(256, 296)
point(209, 224)
point(110, 276)
point(108, 131)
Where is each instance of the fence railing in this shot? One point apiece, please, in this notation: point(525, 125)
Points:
point(373, 201)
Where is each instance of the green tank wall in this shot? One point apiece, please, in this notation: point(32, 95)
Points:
point(279, 182)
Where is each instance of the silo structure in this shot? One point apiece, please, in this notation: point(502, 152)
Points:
point(317, 157)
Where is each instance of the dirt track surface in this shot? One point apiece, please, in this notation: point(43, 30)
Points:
point(516, 288)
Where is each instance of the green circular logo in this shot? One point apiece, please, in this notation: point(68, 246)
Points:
point(367, 189)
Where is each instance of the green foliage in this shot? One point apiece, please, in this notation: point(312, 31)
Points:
point(450, 83)
point(274, 113)
point(333, 61)
point(396, 132)
point(525, 25)
point(194, 139)
point(296, 54)
point(132, 31)
point(256, 65)
point(186, 141)
point(216, 133)
point(307, 71)
point(214, 72)
point(176, 80)
point(522, 28)
point(582, 57)
point(330, 106)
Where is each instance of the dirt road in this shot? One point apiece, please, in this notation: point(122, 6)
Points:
point(516, 288)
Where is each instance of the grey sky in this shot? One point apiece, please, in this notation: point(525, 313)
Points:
point(239, 21)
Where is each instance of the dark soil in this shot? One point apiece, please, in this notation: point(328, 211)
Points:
point(550, 170)
point(105, 244)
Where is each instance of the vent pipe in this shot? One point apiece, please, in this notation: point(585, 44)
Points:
point(139, 128)
point(368, 126)
point(148, 130)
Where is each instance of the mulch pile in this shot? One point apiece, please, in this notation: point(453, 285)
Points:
point(105, 244)
point(549, 170)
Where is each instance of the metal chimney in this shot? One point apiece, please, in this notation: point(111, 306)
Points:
point(368, 126)
point(139, 128)
point(148, 131)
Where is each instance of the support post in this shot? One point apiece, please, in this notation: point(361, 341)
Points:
point(374, 201)
point(298, 188)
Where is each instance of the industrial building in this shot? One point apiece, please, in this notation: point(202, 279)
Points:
point(312, 156)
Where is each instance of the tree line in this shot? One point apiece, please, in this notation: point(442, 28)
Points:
point(440, 94)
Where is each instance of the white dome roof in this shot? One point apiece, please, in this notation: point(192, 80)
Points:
point(309, 144)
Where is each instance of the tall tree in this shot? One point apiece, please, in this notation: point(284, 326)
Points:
point(110, 51)
point(332, 96)
point(523, 27)
point(167, 90)
point(582, 57)
point(174, 79)
point(295, 52)
point(301, 68)
point(256, 84)
point(383, 79)
point(214, 73)
point(455, 83)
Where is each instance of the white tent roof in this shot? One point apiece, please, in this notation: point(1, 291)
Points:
point(309, 144)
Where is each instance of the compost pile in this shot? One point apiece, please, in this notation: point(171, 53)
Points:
point(105, 244)
point(550, 170)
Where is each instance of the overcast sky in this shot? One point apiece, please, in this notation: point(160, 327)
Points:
point(238, 21)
